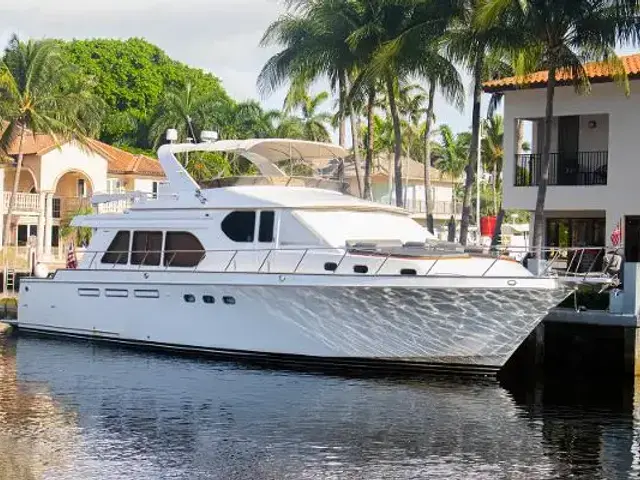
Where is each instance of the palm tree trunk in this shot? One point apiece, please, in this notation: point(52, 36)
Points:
point(538, 225)
point(397, 133)
point(14, 191)
point(427, 154)
point(370, 133)
point(356, 151)
point(342, 96)
point(473, 150)
point(495, 188)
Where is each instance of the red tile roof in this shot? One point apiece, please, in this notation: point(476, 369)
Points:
point(122, 162)
point(598, 72)
point(119, 161)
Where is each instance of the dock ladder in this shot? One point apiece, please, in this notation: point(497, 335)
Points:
point(9, 280)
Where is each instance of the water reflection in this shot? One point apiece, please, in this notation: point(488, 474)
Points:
point(72, 410)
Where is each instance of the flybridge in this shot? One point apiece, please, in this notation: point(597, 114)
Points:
point(266, 154)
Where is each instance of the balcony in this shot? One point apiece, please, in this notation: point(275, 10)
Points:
point(438, 208)
point(29, 204)
point(576, 169)
point(25, 203)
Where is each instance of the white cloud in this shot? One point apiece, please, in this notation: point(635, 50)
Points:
point(220, 36)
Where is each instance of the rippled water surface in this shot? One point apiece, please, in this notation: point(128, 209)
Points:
point(79, 411)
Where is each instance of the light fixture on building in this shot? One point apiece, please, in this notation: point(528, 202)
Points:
point(592, 124)
point(208, 136)
point(172, 135)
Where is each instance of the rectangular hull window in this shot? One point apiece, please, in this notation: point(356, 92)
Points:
point(116, 292)
point(146, 294)
point(89, 292)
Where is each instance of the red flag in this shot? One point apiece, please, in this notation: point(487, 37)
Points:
point(72, 261)
point(616, 235)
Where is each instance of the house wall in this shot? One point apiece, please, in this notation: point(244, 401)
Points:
point(143, 185)
point(621, 195)
point(71, 158)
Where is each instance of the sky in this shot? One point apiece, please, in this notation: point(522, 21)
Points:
point(219, 36)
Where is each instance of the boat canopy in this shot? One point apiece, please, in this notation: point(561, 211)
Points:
point(264, 153)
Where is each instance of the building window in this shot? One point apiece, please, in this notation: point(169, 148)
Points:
point(118, 251)
point(182, 249)
point(265, 233)
point(239, 226)
point(146, 248)
point(82, 187)
point(55, 236)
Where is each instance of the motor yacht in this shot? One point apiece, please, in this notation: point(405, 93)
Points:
point(280, 269)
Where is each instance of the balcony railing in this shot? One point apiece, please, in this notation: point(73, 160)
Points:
point(565, 169)
point(437, 207)
point(25, 203)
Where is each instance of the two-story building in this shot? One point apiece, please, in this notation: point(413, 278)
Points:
point(57, 180)
point(595, 160)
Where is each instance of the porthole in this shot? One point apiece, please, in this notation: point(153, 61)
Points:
point(408, 271)
point(360, 268)
point(330, 266)
point(189, 298)
point(208, 299)
point(229, 300)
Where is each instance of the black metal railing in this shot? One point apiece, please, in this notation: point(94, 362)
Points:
point(565, 169)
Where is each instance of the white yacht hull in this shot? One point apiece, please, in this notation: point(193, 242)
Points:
point(450, 323)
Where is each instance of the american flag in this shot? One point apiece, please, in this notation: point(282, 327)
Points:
point(72, 261)
point(616, 235)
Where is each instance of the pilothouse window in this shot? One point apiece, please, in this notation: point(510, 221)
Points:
point(146, 248)
point(239, 226)
point(265, 234)
point(118, 251)
point(182, 249)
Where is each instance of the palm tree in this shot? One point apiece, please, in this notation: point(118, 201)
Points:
point(493, 153)
point(314, 46)
point(452, 154)
point(563, 35)
point(314, 123)
point(185, 109)
point(42, 94)
point(406, 37)
point(472, 45)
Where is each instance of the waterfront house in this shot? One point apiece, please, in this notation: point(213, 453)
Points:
point(595, 164)
point(56, 181)
point(383, 188)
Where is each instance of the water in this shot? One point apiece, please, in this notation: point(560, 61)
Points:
point(80, 411)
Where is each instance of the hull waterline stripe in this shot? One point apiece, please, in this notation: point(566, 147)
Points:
point(397, 366)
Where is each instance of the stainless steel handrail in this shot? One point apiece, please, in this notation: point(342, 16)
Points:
point(574, 270)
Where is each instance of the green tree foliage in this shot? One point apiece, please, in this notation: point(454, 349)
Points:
point(132, 76)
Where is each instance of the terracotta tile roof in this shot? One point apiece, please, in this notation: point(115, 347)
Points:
point(598, 72)
point(119, 161)
point(122, 162)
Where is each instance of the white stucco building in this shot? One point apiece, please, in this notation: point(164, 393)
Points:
point(57, 180)
point(595, 165)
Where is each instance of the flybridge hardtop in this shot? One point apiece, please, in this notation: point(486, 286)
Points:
point(289, 274)
point(180, 191)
